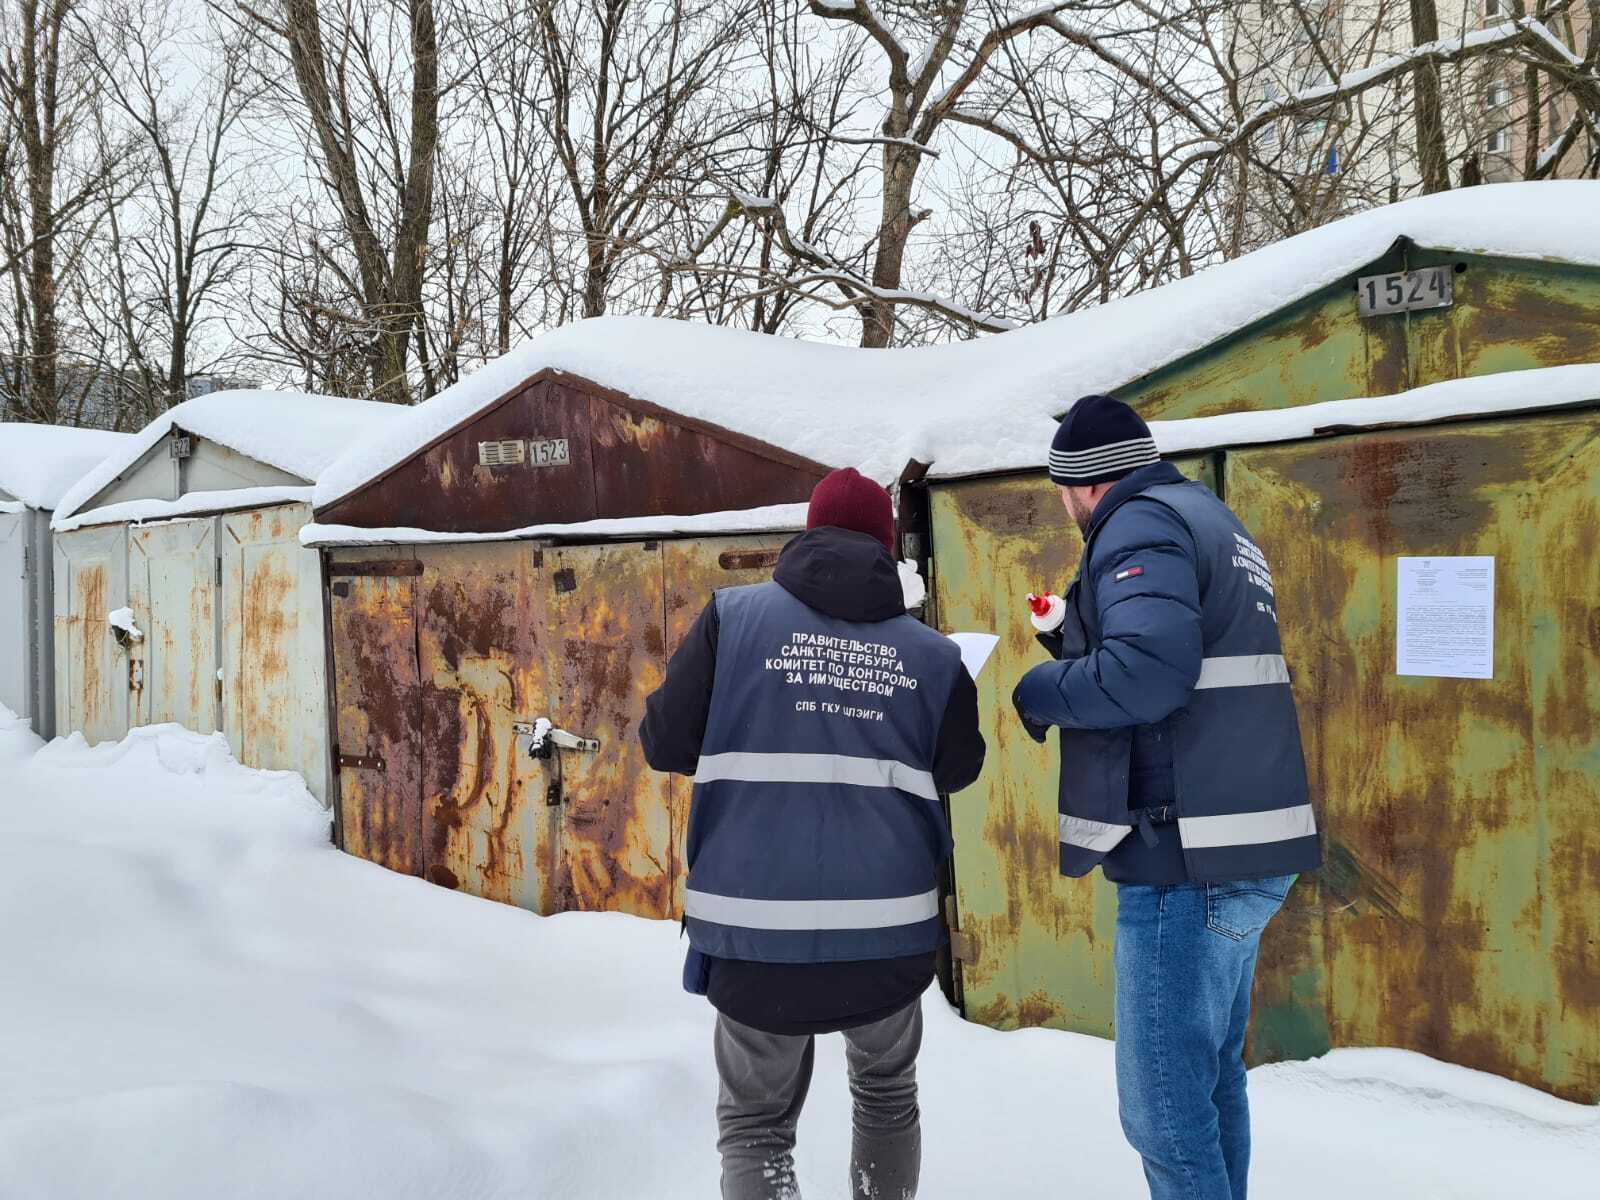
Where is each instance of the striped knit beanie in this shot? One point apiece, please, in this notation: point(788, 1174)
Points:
point(1099, 440)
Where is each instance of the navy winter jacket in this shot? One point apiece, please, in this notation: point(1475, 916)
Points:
point(818, 761)
point(1176, 621)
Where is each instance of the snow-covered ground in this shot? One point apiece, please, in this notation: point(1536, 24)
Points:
point(201, 998)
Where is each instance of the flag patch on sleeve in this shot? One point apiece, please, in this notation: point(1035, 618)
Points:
point(1129, 573)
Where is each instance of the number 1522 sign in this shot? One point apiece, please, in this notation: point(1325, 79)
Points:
point(1405, 291)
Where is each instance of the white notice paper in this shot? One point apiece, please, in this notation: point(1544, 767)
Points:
point(1446, 617)
point(975, 649)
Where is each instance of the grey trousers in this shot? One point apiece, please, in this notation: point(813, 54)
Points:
point(765, 1077)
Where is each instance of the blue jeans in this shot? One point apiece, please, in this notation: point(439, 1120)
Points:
point(1185, 960)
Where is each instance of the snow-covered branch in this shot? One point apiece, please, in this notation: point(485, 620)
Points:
point(821, 270)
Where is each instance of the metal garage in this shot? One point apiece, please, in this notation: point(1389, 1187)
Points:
point(38, 463)
point(192, 527)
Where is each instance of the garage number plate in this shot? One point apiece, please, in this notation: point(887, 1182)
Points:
point(552, 452)
point(1406, 291)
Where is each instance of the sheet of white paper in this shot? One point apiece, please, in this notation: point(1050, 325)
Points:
point(1446, 617)
point(975, 649)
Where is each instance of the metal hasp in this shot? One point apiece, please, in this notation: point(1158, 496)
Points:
point(439, 662)
point(552, 739)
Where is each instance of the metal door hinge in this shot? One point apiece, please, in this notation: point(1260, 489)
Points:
point(219, 570)
point(963, 946)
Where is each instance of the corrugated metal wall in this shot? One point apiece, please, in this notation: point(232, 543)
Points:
point(231, 612)
point(1459, 913)
point(441, 651)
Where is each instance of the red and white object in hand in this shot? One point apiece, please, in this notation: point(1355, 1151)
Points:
point(1046, 611)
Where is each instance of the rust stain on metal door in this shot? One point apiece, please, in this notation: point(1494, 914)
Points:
point(440, 654)
point(694, 570)
point(172, 591)
point(92, 671)
point(373, 612)
point(489, 827)
point(616, 827)
point(274, 696)
point(1459, 914)
point(1040, 944)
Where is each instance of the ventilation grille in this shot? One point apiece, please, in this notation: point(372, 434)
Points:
point(508, 452)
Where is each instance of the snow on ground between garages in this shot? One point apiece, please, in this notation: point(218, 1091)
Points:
point(204, 999)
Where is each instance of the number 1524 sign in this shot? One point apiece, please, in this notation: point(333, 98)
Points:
point(1405, 291)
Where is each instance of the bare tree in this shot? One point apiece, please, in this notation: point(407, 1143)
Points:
point(505, 168)
point(1140, 141)
point(178, 239)
point(57, 174)
point(367, 94)
point(635, 110)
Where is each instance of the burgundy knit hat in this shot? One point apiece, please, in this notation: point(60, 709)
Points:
point(847, 499)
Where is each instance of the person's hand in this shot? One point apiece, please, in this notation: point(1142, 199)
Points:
point(1035, 729)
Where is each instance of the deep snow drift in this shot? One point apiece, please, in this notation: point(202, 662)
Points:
point(203, 999)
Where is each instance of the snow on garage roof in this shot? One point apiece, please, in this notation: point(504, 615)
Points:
point(773, 518)
point(294, 431)
point(192, 504)
point(987, 404)
point(1540, 388)
point(39, 463)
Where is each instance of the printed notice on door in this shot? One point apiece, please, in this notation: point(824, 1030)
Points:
point(1446, 611)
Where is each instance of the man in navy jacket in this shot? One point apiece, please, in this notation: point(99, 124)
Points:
point(1181, 777)
point(820, 723)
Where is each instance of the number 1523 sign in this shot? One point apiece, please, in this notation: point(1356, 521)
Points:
point(1406, 291)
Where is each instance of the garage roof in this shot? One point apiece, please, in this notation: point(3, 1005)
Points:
point(991, 403)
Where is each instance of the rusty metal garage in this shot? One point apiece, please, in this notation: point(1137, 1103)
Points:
point(532, 568)
point(189, 533)
point(38, 463)
point(1456, 914)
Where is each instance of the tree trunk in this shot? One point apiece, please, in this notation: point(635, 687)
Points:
point(894, 232)
point(40, 62)
point(391, 276)
point(1432, 153)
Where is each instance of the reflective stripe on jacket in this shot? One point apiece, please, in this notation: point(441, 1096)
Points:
point(816, 830)
point(1177, 611)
